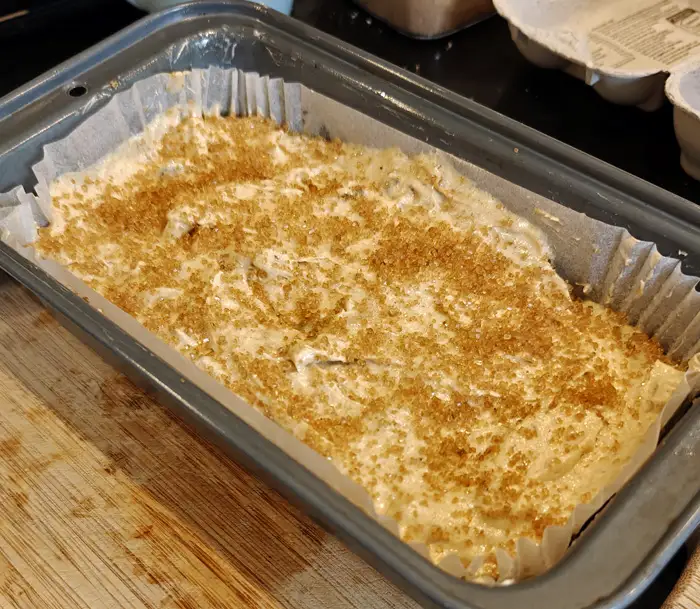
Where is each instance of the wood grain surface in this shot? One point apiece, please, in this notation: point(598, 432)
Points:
point(108, 502)
point(686, 594)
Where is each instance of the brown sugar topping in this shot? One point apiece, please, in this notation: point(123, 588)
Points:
point(355, 297)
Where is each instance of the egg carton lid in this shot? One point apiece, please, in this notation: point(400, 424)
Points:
point(622, 38)
point(626, 49)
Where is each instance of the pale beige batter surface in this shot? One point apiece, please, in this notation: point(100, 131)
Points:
point(393, 317)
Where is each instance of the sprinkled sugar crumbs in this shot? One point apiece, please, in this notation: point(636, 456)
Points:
point(396, 319)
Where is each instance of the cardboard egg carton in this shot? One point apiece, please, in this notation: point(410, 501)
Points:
point(624, 49)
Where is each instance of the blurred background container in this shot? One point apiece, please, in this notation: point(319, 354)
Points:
point(428, 18)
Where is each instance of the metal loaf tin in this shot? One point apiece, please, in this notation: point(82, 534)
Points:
point(644, 525)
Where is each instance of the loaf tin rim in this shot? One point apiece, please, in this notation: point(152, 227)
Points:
point(566, 584)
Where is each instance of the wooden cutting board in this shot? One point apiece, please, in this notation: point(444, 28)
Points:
point(106, 501)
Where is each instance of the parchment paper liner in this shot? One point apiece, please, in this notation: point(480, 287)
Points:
point(614, 268)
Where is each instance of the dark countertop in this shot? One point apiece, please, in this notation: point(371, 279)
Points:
point(481, 63)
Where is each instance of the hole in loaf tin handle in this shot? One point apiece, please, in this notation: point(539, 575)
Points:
point(76, 89)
